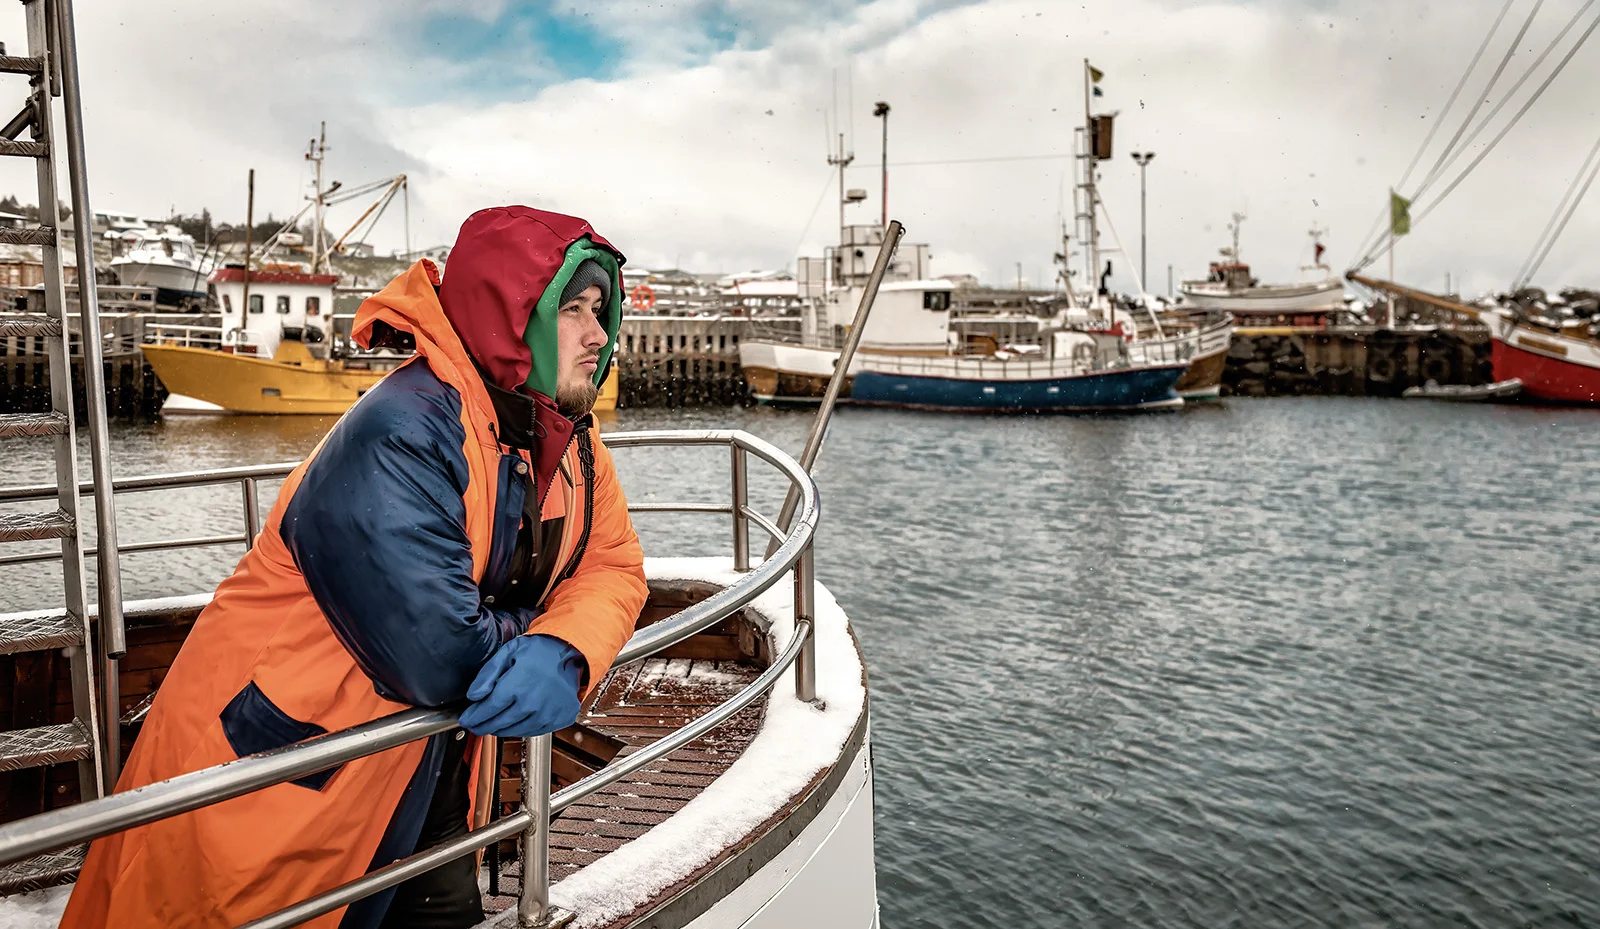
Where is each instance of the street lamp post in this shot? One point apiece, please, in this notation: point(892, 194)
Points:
point(881, 109)
point(1142, 158)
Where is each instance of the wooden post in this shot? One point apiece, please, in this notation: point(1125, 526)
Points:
point(249, 228)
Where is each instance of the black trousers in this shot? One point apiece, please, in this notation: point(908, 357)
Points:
point(446, 897)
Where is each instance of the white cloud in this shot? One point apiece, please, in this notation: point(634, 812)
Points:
point(1293, 114)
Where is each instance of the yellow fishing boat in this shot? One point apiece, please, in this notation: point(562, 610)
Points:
point(266, 364)
point(291, 381)
point(204, 380)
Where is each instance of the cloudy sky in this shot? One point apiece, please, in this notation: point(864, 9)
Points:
point(694, 132)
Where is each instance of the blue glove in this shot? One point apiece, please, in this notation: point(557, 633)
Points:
point(527, 688)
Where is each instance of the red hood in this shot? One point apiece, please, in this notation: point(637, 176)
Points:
point(503, 260)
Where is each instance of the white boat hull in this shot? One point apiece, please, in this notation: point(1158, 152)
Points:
point(1323, 295)
point(134, 273)
point(824, 877)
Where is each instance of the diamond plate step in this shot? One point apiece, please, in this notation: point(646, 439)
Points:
point(34, 527)
point(14, 65)
point(24, 149)
point(41, 235)
point(29, 326)
point(16, 425)
point(48, 870)
point(37, 632)
point(30, 748)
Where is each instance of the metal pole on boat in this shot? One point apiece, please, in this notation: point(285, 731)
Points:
point(819, 426)
point(881, 109)
point(741, 520)
point(805, 612)
point(533, 906)
point(108, 569)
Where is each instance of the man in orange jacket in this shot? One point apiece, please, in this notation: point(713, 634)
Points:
point(459, 535)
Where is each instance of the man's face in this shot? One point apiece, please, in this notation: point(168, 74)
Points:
point(579, 339)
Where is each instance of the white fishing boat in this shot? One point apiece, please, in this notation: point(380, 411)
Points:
point(165, 260)
point(1230, 287)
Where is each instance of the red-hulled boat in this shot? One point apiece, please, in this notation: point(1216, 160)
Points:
point(1554, 366)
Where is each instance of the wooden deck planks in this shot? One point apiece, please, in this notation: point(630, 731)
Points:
point(638, 705)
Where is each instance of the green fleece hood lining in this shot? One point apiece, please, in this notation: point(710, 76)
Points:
point(541, 334)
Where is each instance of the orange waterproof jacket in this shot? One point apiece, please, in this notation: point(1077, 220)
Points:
point(370, 589)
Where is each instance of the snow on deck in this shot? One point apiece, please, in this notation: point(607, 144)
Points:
point(795, 742)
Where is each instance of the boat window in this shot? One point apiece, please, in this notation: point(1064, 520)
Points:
point(258, 303)
point(227, 305)
point(936, 300)
point(313, 306)
point(283, 304)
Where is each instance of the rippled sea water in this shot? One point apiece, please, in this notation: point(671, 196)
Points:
point(1298, 662)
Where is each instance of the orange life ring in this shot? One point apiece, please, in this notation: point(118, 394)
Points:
point(643, 297)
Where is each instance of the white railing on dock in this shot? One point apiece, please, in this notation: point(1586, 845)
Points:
point(131, 808)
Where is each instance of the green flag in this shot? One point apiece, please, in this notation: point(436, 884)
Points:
point(1095, 74)
point(1399, 214)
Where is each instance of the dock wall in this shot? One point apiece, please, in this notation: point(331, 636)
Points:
point(132, 389)
point(1283, 362)
point(677, 361)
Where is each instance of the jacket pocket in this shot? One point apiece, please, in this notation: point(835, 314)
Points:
point(253, 724)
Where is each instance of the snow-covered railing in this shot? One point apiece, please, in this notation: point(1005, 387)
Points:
point(142, 805)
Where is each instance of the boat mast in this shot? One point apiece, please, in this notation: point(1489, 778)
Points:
point(319, 148)
point(1091, 238)
point(842, 160)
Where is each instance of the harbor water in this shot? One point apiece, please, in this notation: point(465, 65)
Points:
point(1299, 662)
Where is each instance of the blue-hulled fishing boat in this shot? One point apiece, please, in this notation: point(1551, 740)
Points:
point(1013, 385)
point(909, 358)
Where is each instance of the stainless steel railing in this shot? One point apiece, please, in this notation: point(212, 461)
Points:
point(153, 802)
point(247, 478)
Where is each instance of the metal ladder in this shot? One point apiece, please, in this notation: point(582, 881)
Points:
point(91, 738)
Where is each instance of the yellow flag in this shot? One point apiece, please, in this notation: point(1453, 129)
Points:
point(1399, 214)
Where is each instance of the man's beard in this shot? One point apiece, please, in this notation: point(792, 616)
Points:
point(576, 401)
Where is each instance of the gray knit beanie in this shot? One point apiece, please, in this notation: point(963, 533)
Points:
point(588, 273)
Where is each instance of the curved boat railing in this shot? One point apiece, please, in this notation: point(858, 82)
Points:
point(142, 805)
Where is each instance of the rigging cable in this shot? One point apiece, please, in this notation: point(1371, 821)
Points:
point(1451, 150)
point(1564, 211)
point(1484, 124)
point(1384, 247)
point(1377, 223)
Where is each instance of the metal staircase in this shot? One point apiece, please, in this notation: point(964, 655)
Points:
point(91, 738)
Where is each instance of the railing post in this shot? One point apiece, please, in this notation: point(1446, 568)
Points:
point(805, 610)
point(533, 907)
point(741, 522)
point(252, 512)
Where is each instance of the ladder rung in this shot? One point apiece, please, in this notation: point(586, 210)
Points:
point(14, 65)
point(39, 235)
point(17, 425)
point(24, 149)
point(34, 527)
point(37, 632)
point(31, 748)
point(48, 870)
point(29, 326)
